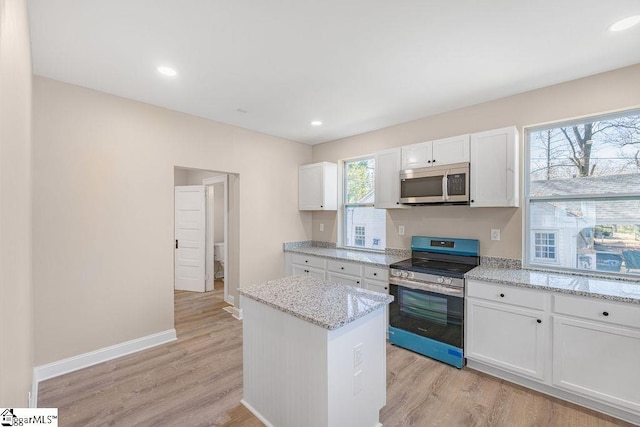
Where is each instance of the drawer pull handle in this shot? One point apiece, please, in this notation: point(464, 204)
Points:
point(501, 295)
point(306, 260)
point(341, 268)
point(358, 282)
point(605, 313)
point(539, 321)
point(375, 274)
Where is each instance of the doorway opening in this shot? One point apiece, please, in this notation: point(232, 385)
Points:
point(206, 236)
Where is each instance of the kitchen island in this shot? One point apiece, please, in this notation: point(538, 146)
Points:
point(314, 353)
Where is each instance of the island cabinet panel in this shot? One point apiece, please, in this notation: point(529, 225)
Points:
point(296, 373)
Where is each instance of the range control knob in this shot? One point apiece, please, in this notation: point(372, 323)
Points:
point(410, 275)
point(405, 274)
point(395, 273)
point(440, 279)
point(447, 281)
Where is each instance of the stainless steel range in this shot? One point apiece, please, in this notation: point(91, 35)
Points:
point(427, 314)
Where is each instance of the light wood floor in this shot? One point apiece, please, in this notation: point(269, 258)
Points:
point(197, 381)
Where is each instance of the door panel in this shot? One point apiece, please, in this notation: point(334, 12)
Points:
point(190, 235)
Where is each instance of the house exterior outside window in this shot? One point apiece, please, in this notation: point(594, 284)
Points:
point(544, 246)
point(582, 194)
point(359, 235)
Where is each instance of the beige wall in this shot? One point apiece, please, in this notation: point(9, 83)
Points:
point(615, 90)
point(103, 212)
point(16, 311)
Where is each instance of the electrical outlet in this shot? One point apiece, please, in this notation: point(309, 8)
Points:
point(495, 234)
point(357, 355)
point(401, 230)
point(357, 383)
point(321, 227)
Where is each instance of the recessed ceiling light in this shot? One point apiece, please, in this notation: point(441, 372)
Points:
point(625, 23)
point(167, 71)
point(316, 123)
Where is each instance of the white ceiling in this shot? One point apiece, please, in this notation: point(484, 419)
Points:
point(357, 65)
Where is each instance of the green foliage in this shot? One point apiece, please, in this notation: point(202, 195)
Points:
point(360, 179)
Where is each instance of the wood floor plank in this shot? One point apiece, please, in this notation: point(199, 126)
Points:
point(197, 381)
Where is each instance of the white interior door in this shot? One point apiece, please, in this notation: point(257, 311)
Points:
point(190, 219)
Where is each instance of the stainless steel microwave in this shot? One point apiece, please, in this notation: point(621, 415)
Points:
point(446, 184)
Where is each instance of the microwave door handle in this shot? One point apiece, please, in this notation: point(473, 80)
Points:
point(445, 192)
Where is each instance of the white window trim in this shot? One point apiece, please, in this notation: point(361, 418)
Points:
point(526, 230)
point(533, 246)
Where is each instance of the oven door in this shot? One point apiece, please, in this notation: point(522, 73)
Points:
point(429, 314)
point(449, 184)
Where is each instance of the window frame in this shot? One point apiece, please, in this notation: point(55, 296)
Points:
point(342, 194)
point(527, 244)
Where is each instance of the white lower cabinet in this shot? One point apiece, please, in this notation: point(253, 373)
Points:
point(597, 360)
point(308, 271)
point(581, 349)
point(299, 264)
point(345, 279)
point(508, 337)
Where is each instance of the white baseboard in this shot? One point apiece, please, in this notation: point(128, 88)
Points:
point(236, 313)
point(64, 366)
point(256, 413)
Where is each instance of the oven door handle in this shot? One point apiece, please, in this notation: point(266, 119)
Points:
point(428, 287)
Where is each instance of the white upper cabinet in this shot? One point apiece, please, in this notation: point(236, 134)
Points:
point(450, 150)
point(433, 153)
point(494, 168)
point(318, 187)
point(387, 183)
point(417, 155)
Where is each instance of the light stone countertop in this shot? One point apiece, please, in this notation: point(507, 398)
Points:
point(323, 303)
point(596, 287)
point(362, 257)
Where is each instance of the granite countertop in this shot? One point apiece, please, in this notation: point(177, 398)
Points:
point(596, 287)
point(362, 257)
point(323, 303)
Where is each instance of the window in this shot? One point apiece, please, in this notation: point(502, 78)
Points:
point(364, 226)
point(583, 194)
point(544, 246)
point(359, 235)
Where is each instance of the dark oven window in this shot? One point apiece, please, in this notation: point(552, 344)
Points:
point(428, 314)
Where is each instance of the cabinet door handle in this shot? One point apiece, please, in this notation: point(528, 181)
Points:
point(306, 260)
point(605, 313)
point(539, 321)
point(385, 288)
point(428, 161)
point(501, 295)
point(375, 274)
point(341, 268)
point(357, 282)
point(434, 160)
point(321, 206)
point(176, 243)
point(472, 201)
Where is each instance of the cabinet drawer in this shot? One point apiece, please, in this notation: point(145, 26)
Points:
point(375, 285)
point(308, 260)
point(345, 279)
point(344, 267)
point(506, 294)
point(376, 273)
point(598, 309)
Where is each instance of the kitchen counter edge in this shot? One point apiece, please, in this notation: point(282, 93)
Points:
point(594, 287)
point(320, 302)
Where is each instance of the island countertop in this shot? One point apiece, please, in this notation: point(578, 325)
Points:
point(326, 304)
